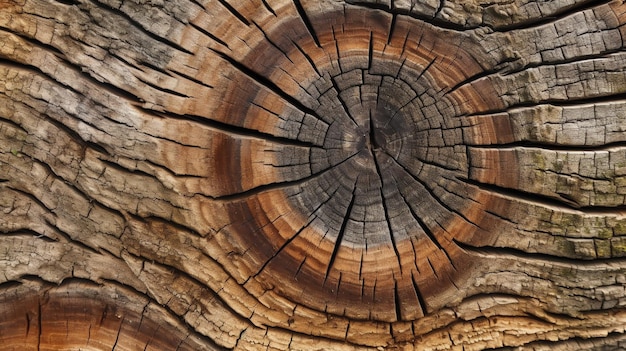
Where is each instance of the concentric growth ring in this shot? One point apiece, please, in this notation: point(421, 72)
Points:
point(364, 219)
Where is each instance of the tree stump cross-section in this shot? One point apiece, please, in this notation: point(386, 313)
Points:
point(312, 175)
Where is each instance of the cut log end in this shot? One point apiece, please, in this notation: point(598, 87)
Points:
point(369, 208)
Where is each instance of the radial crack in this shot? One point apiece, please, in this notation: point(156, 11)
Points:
point(307, 22)
point(278, 185)
point(342, 102)
point(312, 217)
point(386, 209)
point(342, 230)
point(422, 224)
point(264, 81)
point(431, 192)
point(234, 11)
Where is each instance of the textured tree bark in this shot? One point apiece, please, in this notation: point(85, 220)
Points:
point(312, 175)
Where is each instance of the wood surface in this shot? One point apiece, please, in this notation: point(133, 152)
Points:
point(312, 175)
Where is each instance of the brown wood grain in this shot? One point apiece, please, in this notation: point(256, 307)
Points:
point(312, 175)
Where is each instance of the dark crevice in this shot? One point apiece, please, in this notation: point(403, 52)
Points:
point(161, 89)
point(437, 22)
point(33, 278)
point(67, 130)
point(32, 198)
point(342, 102)
point(168, 170)
point(125, 61)
point(192, 79)
point(264, 81)
point(76, 137)
point(234, 12)
point(27, 232)
point(209, 34)
point(429, 233)
point(338, 52)
point(432, 193)
point(308, 58)
point(269, 8)
point(33, 41)
point(139, 26)
point(323, 340)
point(68, 2)
point(339, 285)
point(299, 267)
point(439, 8)
point(169, 223)
point(108, 87)
point(13, 123)
point(504, 71)
point(101, 84)
point(361, 271)
point(570, 102)
point(117, 337)
point(199, 4)
point(472, 79)
point(386, 209)
point(373, 142)
point(68, 238)
point(307, 22)
point(415, 255)
point(392, 27)
point(370, 53)
point(312, 217)
point(242, 131)
point(531, 144)
point(442, 23)
point(371, 5)
point(120, 168)
point(28, 321)
point(277, 47)
point(405, 46)
point(549, 259)
point(397, 77)
point(420, 297)
point(396, 297)
point(438, 165)
point(543, 200)
point(66, 282)
point(154, 67)
point(342, 230)
point(557, 16)
point(432, 267)
point(273, 186)
point(468, 154)
point(426, 68)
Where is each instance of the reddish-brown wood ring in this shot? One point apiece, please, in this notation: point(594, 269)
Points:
point(407, 275)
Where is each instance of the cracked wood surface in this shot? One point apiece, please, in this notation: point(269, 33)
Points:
point(312, 175)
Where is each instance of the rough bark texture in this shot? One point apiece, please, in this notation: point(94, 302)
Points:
point(312, 175)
